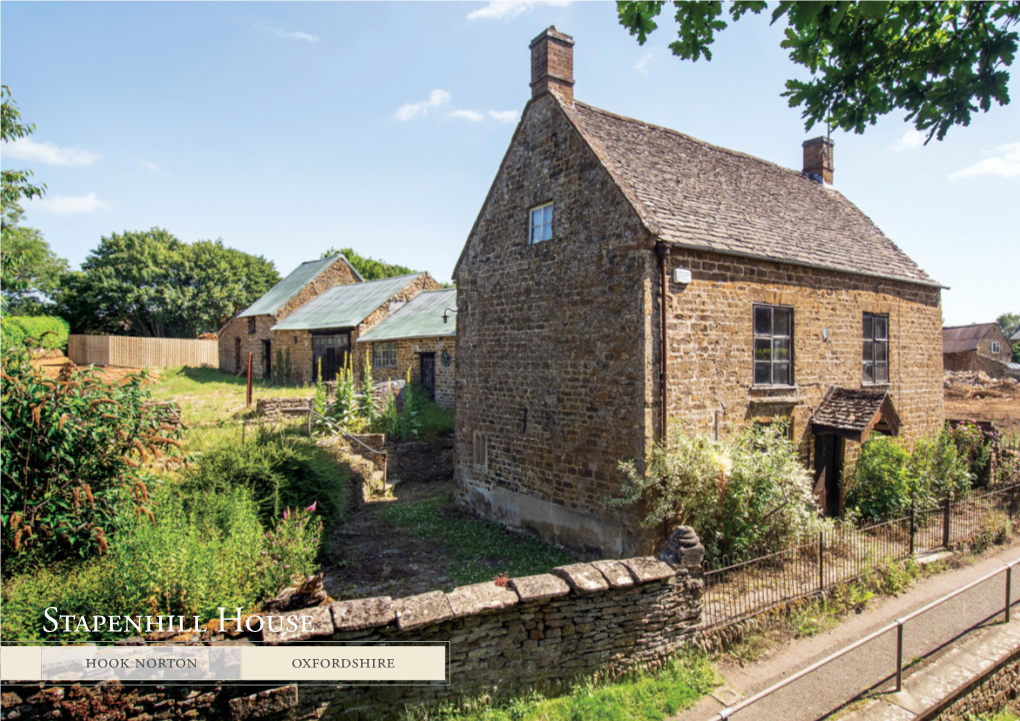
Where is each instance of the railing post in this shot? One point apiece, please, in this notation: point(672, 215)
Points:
point(821, 560)
point(913, 526)
point(945, 523)
point(899, 656)
point(1009, 589)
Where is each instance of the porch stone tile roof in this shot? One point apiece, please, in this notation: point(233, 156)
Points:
point(702, 196)
point(345, 306)
point(849, 409)
point(421, 317)
point(281, 293)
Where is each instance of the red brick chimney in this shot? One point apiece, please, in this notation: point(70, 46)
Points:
point(552, 64)
point(818, 159)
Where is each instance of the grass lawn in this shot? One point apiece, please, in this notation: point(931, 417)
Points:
point(639, 697)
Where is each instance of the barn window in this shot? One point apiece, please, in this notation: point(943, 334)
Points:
point(996, 348)
point(773, 346)
point(251, 325)
point(875, 356)
point(384, 355)
point(541, 223)
point(480, 450)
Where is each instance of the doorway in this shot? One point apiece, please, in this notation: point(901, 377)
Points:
point(267, 359)
point(332, 350)
point(828, 472)
point(428, 373)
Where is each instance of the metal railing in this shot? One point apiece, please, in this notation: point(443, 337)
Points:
point(350, 438)
point(734, 592)
point(898, 625)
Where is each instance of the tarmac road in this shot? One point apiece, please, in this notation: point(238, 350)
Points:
point(874, 664)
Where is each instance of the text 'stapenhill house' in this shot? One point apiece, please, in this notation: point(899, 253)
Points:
point(605, 240)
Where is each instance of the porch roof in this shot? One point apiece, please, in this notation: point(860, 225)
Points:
point(854, 412)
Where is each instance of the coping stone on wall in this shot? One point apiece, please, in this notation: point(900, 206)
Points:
point(537, 588)
point(479, 598)
point(648, 569)
point(264, 703)
point(615, 573)
point(322, 625)
point(363, 613)
point(582, 577)
point(422, 610)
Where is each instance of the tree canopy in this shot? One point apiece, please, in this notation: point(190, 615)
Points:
point(149, 283)
point(370, 268)
point(938, 61)
point(30, 283)
point(1008, 323)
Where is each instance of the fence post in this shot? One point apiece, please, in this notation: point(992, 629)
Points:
point(945, 522)
point(821, 560)
point(913, 526)
point(899, 656)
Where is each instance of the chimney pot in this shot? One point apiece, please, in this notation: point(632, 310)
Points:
point(818, 159)
point(552, 64)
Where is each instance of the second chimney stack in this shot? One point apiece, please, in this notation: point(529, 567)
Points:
point(552, 64)
point(818, 159)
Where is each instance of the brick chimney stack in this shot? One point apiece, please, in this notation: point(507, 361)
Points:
point(818, 159)
point(552, 64)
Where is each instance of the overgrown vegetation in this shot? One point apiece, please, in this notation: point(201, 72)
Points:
point(639, 696)
point(43, 331)
point(746, 496)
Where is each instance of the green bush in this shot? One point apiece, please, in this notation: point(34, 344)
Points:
point(72, 448)
point(184, 563)
point(746, 496)
point(974, 447)
point(880, 488)
point(420, 420)
point(280, 470)
point(41, 331)
point(937, 470)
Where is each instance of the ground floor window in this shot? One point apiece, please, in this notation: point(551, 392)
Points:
point(384, 355)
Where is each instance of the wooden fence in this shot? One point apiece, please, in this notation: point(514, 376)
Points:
point(113, 350)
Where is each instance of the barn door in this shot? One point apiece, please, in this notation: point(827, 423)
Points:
point(428, 373)
point(828, 468)
point(332, 351)
point(267, 359)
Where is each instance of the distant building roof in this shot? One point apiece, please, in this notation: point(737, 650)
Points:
point(281, 293)
point(702, 196)
point(1016, 335)
point(344, 306)
point(961, 338)
point(421, 317)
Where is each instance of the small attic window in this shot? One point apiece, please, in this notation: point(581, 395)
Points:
point(541, 224)
point(251, 325)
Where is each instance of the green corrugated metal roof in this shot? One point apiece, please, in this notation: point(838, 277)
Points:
point(421, 317)
point(281, 293)
point(344, 306)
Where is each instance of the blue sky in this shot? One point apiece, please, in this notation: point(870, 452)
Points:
point(287, 128)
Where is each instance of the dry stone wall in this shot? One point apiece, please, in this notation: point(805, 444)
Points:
point(533, 633)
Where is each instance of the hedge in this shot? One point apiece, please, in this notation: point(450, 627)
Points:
point(15, 330)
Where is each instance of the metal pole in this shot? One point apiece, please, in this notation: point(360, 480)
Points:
point(913, 526)
point(945, 524)
point(899, 656)
point(1009, 589)
point(821, 561)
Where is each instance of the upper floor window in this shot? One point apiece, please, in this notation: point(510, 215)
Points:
point(773, 346)
point(996, 348)
point(541, 223)
point(384, 355)
point(251, 325)
point(876, 348)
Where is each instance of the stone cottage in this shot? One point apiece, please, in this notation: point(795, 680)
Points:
point(327, 326)
point(419, 337)
point(620, 275)
point(982, 346)
point(250, 330)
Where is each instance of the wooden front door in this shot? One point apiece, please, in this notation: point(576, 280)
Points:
point(828, 469)
point(332, 350)
point(267, 359)
point(428, 373)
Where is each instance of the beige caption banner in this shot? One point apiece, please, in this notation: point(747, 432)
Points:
point(319, 662)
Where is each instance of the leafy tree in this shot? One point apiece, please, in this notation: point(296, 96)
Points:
point(370, 268)
point(149, 283)
point(938, 61)
point(1008, 323)
point(31, 283)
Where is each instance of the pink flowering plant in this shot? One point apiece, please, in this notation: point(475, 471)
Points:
point(290, 548)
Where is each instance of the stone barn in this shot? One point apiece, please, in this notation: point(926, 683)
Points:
point(250, 330)
point(327, 326)
point(620, 275)
point(982, 346)
point(419, 337)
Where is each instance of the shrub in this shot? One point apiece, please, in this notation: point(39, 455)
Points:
point(880, 488)
point(42, 331)
point(974, 447)
point(72, 448)
point(747, 496)
point(937, 470)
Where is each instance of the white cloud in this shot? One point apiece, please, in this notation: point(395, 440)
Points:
point(473, 115)
point(48, 153)
point(408, 111)
point(152, 167)
point(66, 205)
point(1006, 164)
point(504, 116)
point(509, 9)
point(289, 34)
point(642, 65)
point(911, 140)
